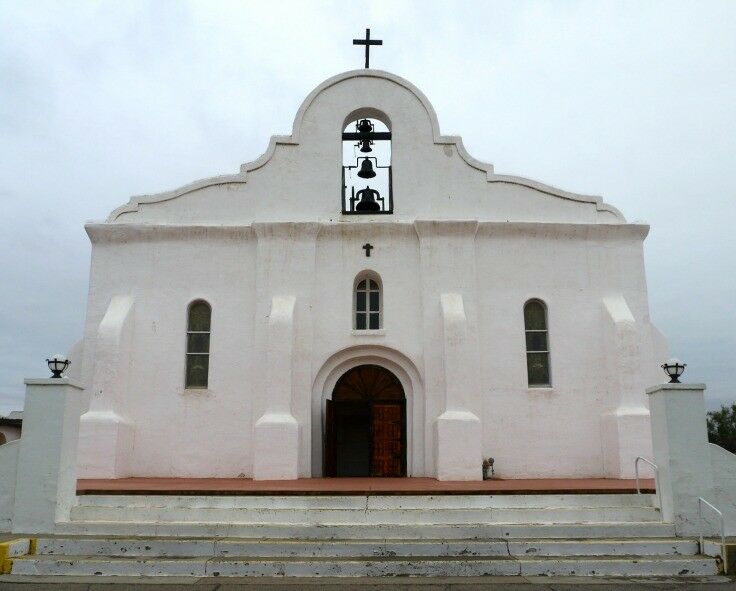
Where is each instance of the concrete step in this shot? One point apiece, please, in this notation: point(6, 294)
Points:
point(193, 529)
point(363, 515)
point(367, 566)
point(368, 509)
point(363, 502)
point(181, 548)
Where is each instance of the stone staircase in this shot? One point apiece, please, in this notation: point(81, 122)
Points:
point(344, 536)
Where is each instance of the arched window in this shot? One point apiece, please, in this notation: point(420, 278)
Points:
point(198, 344)
point(537, 343)
point(367, 303)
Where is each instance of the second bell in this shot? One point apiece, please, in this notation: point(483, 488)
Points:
point(366, 169)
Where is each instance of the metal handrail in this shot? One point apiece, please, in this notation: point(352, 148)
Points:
point(701, 502)
point(656, 479)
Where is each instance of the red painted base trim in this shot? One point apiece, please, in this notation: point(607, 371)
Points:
point(355, 486)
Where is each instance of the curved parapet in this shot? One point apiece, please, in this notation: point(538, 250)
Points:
point(137, 200)
point(322, 110)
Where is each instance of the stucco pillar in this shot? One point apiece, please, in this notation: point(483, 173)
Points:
point(285, 276)
point(625, 430)
point(47, 458)
point(680, 442)
point(458, 429)
point(105, 435)
point(276, 433)
point(452, 389)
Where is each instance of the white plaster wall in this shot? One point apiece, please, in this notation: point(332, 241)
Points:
point(395, 259)
point(554, 431)
point(177, 431)
point(682, 453)
point(75, 355)
point(571, 267)
point(723, 464)
point(275, 230)
point(47, 459)
point(8, 471)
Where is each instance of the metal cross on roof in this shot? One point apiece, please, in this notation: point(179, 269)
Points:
point(367, 42)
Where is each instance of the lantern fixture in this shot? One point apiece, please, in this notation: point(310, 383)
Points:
point(58, 364)
point(674, 368)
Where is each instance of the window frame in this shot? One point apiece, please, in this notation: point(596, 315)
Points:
point(188, 354)
point(547, 352)
point(367, 277)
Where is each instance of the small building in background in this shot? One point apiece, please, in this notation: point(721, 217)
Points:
point(10, 426)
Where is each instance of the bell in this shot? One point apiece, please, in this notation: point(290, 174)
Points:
point(367, 201)
point(366, 169)
point(365, 146)
point(364, 126)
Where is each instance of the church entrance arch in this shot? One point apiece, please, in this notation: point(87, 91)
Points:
point(365, 430)
point(419, 439)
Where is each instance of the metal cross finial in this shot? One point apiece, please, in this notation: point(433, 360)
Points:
point(368, 247)
point(367, 42)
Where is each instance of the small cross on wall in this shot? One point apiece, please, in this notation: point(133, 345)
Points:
point(367, 247)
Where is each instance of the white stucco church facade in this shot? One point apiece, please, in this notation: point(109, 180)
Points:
point(282, 322)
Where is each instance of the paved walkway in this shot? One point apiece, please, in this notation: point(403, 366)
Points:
point(8, 583)
point(356, 486)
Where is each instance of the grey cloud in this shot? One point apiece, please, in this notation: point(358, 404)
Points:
point(632, 100)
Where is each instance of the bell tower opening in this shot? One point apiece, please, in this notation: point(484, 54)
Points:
point(366, 166)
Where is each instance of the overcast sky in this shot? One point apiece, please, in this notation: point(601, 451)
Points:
point(635, 101)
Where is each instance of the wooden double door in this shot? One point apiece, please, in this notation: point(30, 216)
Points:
point(365, 431)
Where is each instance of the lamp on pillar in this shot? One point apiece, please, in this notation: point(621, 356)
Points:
point(674, 368)
point(58, 364)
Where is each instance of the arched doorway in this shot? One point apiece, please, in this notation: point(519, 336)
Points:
point(365, 431)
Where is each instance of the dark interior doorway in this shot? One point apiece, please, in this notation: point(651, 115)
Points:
point(365, 431)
